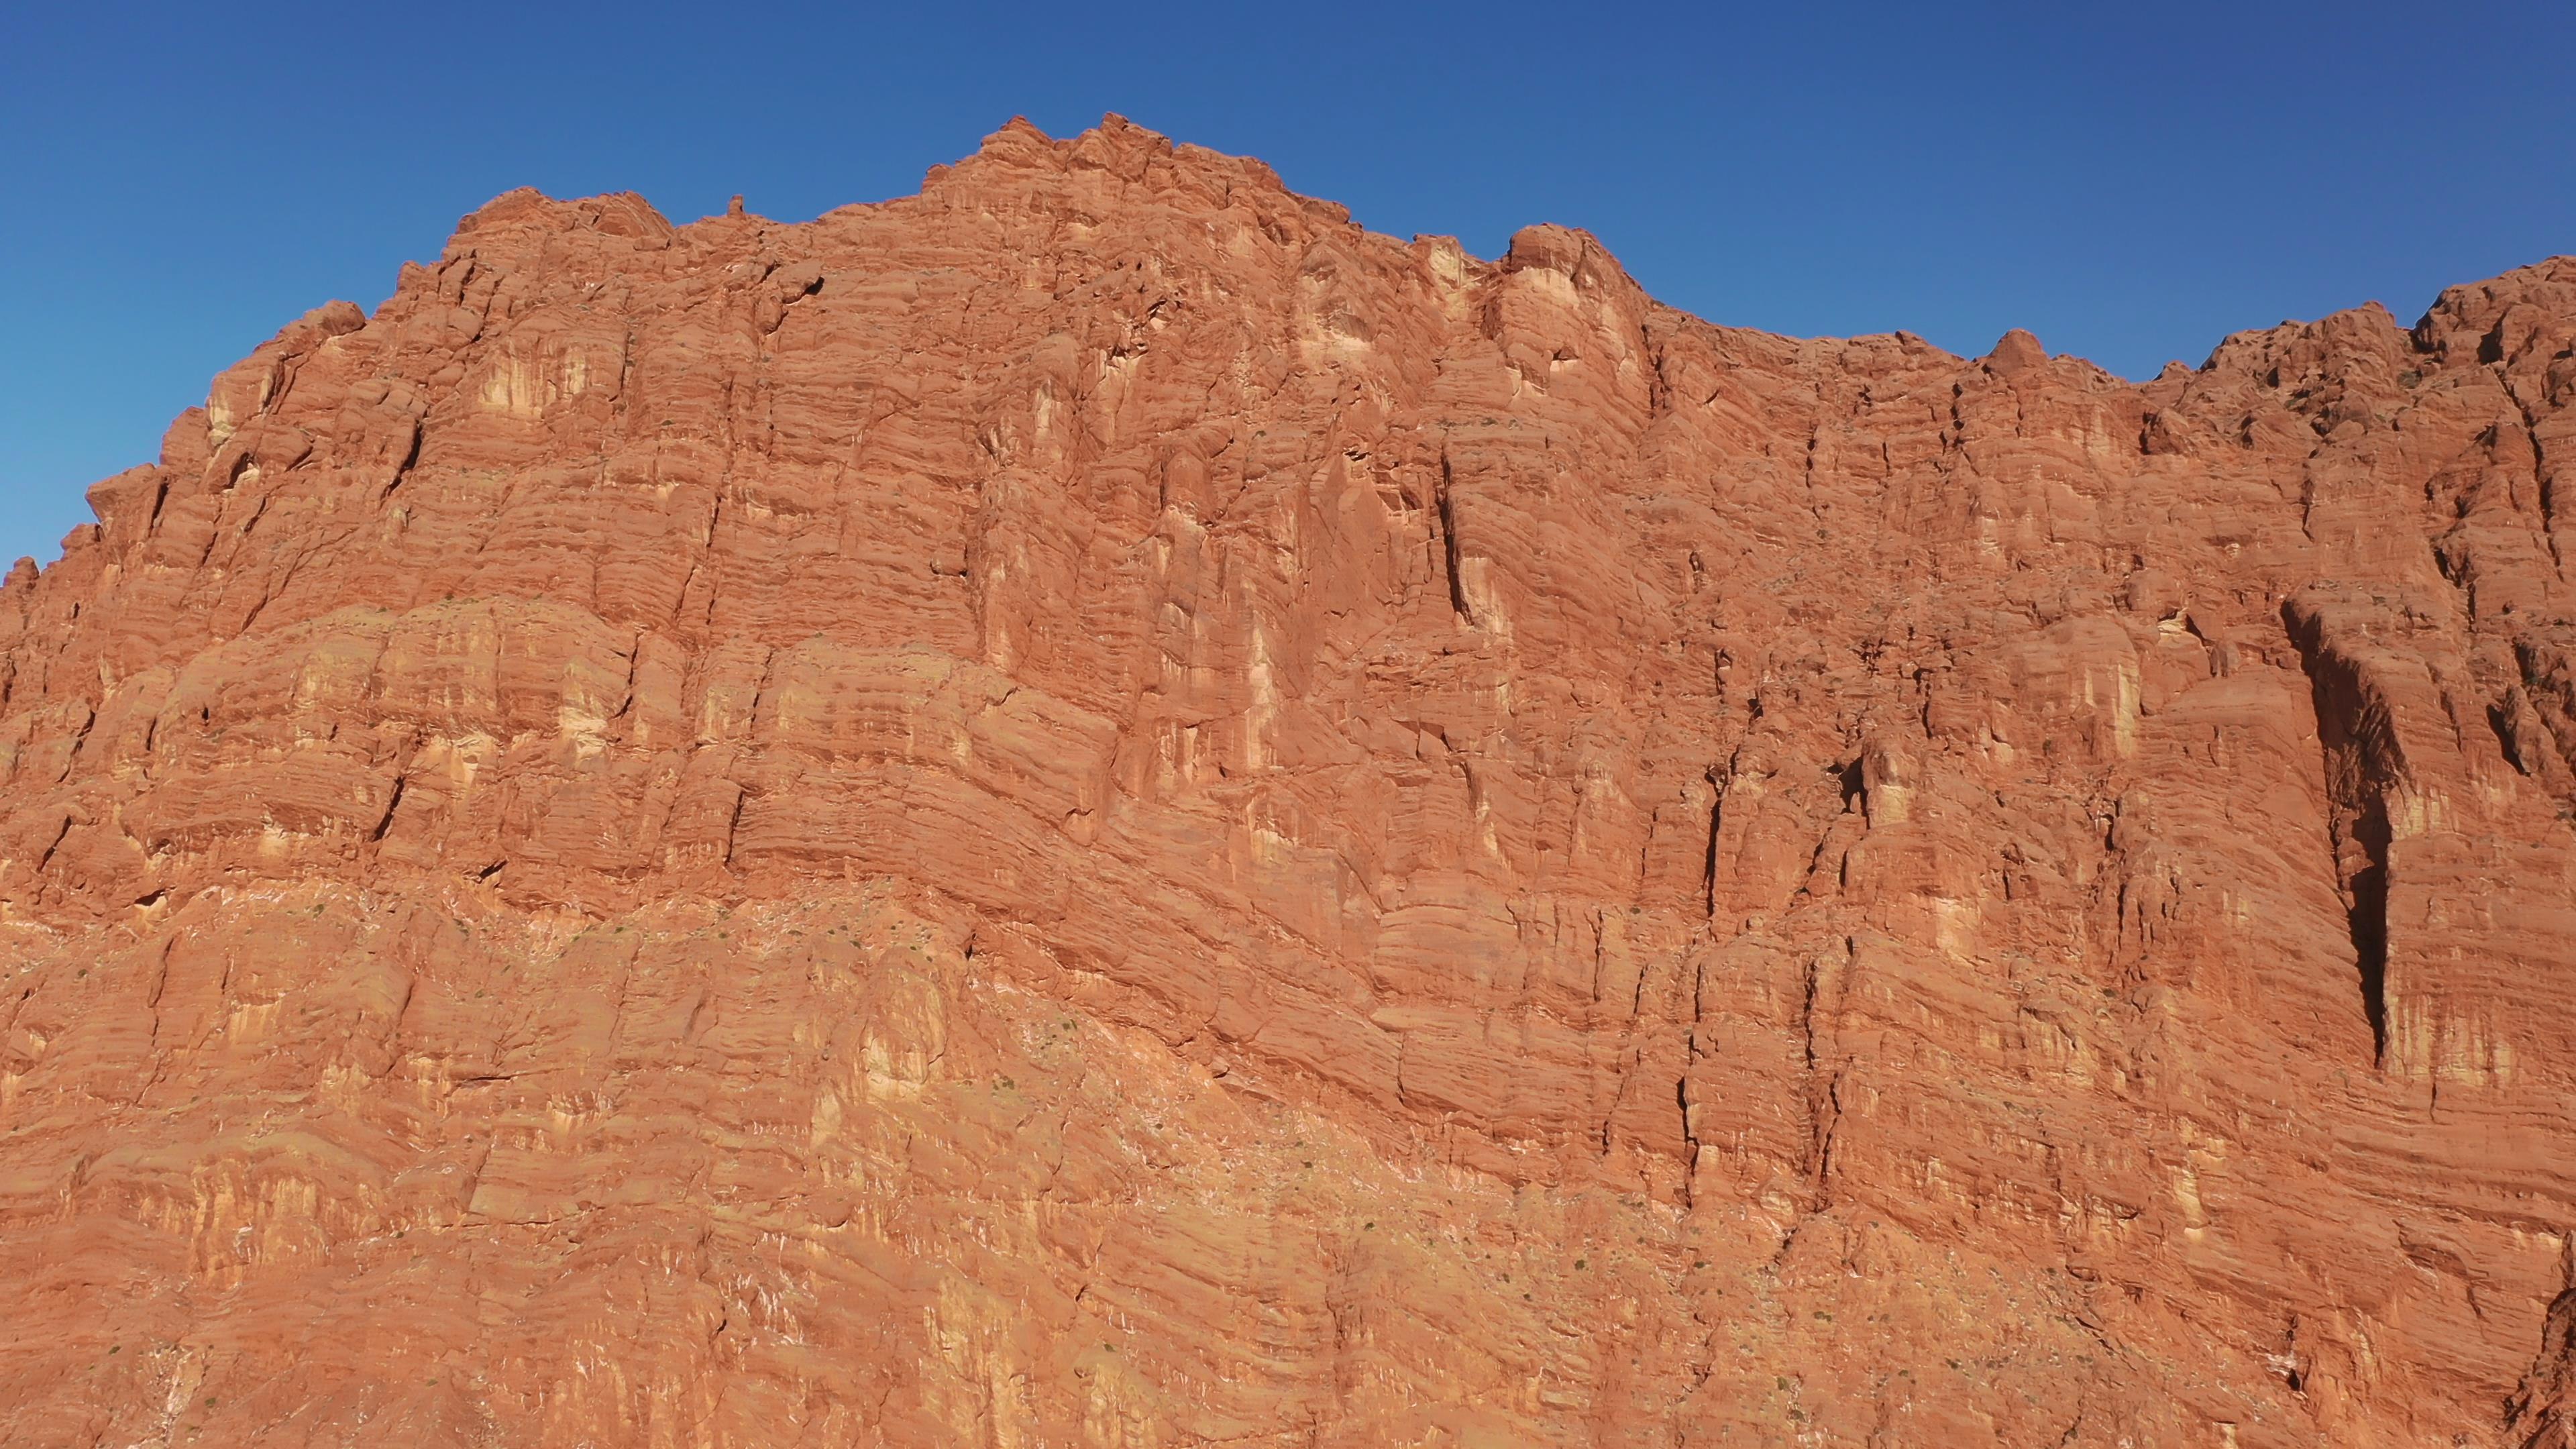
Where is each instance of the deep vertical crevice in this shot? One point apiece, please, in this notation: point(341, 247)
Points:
point(393, 802)
point(1708, 861)
point(2359, 767)
point(1449, 546)
point(2366, 916)
point(402, 469)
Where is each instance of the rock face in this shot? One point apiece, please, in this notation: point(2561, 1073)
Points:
point(1096, 808)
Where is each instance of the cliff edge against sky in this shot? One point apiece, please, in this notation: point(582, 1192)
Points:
point(1095, 808)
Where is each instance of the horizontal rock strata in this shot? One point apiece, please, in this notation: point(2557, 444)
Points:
point(1097, 808)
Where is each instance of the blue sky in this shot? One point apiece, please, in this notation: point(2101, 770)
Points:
point(2130, 182)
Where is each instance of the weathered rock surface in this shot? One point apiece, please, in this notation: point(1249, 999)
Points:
point(1098, 809)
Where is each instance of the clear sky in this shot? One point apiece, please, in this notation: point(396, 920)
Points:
point(2131, 182)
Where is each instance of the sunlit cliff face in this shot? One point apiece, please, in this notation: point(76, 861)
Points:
point(1095, 808)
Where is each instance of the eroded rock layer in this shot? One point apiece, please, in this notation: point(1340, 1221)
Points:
point(1096, 808)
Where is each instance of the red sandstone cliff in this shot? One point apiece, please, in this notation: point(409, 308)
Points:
point(1096, 808)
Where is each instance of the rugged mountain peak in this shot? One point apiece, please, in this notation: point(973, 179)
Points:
point(2016, 351)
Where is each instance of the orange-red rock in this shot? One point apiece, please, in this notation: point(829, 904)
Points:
point(1096, 808)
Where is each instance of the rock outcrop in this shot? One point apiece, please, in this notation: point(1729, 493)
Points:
point(1096, 808)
